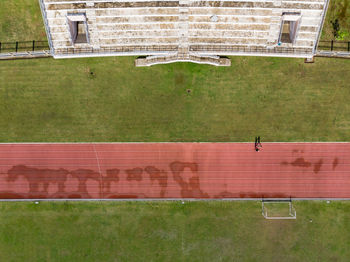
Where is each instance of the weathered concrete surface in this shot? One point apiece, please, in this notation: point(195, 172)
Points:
point(25, 55)
point(153, 60)
point(333, 54)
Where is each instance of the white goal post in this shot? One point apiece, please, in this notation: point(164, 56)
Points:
point(269, 209)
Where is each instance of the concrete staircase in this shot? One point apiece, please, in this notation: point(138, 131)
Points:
point(183, 54)
point(183, 29)
point(210, 60)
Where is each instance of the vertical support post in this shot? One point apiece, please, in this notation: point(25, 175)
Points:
point(16, 46)
point(332, 45)
point(0, 47)
point(33, 47)
point(348, 46)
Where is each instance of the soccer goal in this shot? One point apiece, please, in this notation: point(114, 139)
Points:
point(278, 209)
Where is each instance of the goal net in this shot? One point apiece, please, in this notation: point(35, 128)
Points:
point(278, 209)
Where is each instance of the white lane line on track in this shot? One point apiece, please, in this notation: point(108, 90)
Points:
point(99, 169)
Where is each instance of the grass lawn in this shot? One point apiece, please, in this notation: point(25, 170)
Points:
point(21, 20)
point(170, 231)
point(278, 99)
point(338, 9)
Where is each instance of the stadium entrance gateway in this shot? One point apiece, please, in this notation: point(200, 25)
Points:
point(289, 28)
point(78, 28)
point(183, 31)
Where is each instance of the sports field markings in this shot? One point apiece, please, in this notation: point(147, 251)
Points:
point(99, 170)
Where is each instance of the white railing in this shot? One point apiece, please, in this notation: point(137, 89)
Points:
point(320, 27)
point(253, 50)
point(47, 28)
point(120, 49)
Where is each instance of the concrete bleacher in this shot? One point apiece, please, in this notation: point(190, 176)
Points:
point(186, 27)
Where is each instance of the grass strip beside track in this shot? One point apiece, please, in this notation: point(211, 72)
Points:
point(171, 231)
point(108, 99)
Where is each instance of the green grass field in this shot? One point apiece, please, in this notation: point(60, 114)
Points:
point(21, 20)
point(338, 9)
point(278, 99)
point(170, 231)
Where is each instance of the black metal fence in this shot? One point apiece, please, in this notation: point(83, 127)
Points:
point(243, 49)
point(121, 49)
point(20, 46)
point(334, 45)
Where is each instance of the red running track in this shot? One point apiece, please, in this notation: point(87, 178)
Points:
point(174, 170)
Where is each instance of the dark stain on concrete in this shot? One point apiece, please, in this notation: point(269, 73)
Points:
point(112, 176)
point(72, 196)
point(189, 189)
point(159, 175)
point(300, 162)
point(11, 195)
point(226, 194)
point(37, 176)
point(122, 196)
point(262, 195)
point(335, 163)
point(134, 174)
point(318, 165)
point(36, 196)
point(83, 175)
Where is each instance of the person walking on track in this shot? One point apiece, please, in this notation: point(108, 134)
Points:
point(256, 145)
